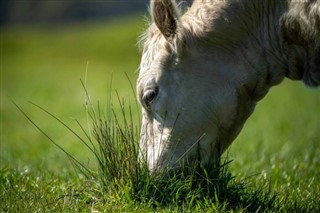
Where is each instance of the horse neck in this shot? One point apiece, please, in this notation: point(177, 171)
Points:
point(272, 37)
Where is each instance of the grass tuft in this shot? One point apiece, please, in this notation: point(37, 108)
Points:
point(113, 140)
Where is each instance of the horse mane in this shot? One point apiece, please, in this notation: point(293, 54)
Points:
point(301, 33)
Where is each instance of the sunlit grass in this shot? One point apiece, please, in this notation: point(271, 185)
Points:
point(44, 65)
point(113, 141)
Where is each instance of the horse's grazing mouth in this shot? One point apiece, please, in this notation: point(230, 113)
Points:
point(209, 67)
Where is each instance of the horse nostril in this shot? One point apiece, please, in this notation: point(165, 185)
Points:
point(149, 96)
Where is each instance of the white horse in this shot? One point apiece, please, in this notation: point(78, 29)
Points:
point(203, 71)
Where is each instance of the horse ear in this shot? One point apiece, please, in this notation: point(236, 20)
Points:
point(166, 16)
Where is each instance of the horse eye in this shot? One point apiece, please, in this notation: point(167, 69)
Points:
point(149, 96)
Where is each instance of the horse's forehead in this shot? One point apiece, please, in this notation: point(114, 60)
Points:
point(155, 50)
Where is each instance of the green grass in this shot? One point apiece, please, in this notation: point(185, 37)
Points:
point(44, 65)
point(276, 158)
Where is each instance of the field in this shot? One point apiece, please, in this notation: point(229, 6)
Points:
point(277, 153)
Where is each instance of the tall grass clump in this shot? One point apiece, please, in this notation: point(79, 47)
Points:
point(113, 139)
point(115, 144)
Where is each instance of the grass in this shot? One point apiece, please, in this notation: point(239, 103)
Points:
point(114, 143)
point(276, 158)
point(44, 65)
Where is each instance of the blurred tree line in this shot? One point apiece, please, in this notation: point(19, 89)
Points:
point(56, 11)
